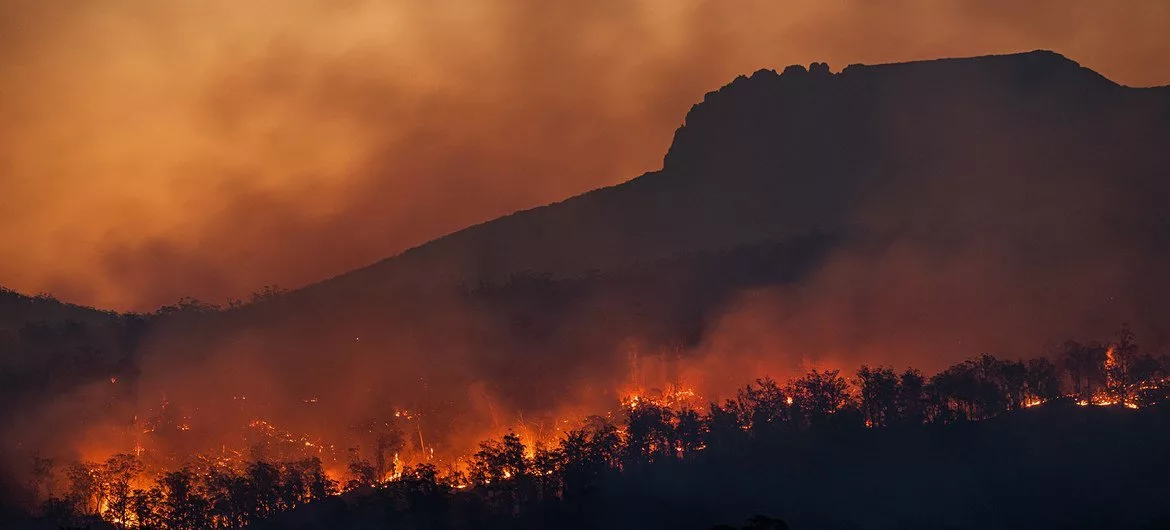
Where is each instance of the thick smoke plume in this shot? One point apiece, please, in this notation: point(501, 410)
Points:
point(152, 150)
point(158, 150)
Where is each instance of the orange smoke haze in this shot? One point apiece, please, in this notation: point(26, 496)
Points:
point(156, 149)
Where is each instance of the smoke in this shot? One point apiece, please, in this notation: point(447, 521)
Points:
point(152, 150)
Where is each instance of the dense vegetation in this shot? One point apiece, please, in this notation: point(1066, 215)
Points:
point(820, 439)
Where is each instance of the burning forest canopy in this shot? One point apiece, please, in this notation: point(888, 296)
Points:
point(913, 214)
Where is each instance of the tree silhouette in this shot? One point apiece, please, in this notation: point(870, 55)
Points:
point(587, 455)
point(727, 424)
point(145, 505)
point(361, 474)
point(911, 399)
point(264, 485)
point(183, 507)
point(546, 468)
point(818, 395)
point(86, 487)
point(1042, 379)
point(1012, 377)
point(649, 433)
point(879, 395)
point(383, 439)
point(500, 466)
point(499, 460)
point(689, 432)
point(118, 471)
point(41, 478)
point(318, 485)
point(763, 406)
point(1085, 365)
point(1119, 360)
point(229, 497)
point(976, 389)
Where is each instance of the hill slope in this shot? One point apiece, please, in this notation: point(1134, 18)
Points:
point(949, 207)
point(981, 204)
point(905, 214)
point(773, 156)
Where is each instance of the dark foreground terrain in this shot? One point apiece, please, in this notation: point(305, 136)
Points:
point(1053, 466)
point(753, 462)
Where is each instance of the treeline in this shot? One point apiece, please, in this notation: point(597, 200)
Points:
point(48, 347)
point(507, 479)
point(205, 495)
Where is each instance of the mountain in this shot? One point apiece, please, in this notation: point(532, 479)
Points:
point(1003, 201)
point(906, 214)
point(915, 213)
point(773, 156)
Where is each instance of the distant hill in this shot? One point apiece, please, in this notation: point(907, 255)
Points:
point(49, 349)
point(17, 309)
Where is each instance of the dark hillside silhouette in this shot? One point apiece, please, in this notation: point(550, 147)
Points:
point(17, 309)
point(773, 156)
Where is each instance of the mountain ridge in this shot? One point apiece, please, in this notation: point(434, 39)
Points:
point(915, 216)
point(495, 248)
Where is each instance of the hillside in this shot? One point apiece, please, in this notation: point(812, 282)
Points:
point(773, 156)
point(17, 310)
point(958, 182)
point(1006, 200)
point(905, 214)
point(992, 204)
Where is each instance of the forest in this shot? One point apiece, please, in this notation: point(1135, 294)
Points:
point(1095, 413)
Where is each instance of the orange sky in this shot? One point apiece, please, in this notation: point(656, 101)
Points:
point(152, 149)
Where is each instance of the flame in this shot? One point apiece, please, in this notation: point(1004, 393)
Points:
point(675, 396)
point(148, 438)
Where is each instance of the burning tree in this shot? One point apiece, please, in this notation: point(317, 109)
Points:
point(223, 490)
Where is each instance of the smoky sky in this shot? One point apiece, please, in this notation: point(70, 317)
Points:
point(156, 149)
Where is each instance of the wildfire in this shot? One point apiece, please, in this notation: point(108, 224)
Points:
point(1111, 358)
point(675, 396)
point(1104, 399)
point(400, 445)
